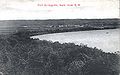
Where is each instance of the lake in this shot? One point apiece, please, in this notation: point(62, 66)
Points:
point(107, 40)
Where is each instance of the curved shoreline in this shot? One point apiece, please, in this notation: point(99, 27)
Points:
point(102, 39)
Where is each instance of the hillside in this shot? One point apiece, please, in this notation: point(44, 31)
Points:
point(20, 56)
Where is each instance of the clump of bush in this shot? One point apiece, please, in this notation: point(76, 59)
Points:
point(24, 56)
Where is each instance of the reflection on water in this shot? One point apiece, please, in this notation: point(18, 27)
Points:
point(107, 40)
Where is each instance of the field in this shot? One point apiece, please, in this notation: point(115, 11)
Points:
point(35, 27)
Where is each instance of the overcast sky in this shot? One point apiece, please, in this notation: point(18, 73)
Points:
point(28, 9)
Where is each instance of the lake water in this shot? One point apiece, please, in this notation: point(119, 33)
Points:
point(107, 40)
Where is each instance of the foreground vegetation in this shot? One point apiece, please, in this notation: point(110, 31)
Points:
point(25, 56)
point(20, 55)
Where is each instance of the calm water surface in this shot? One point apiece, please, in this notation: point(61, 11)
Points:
point(107, 40)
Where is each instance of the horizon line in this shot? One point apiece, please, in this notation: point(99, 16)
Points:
point(59, 19)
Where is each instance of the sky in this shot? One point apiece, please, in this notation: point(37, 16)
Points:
point(29, 9)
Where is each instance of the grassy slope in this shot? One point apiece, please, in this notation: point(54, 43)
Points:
point(20, 56)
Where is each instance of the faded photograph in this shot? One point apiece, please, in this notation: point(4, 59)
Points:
point(80, 37)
